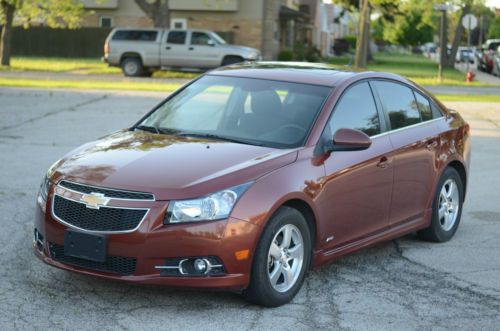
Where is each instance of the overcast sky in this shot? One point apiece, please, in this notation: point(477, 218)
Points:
point(493, 3)
point(490, 3)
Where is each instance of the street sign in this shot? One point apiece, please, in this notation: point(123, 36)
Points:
point(443, 7)
point(469, 22)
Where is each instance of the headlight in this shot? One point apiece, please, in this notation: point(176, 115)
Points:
point(44, 187)
point(253, 56)
point(212, 207)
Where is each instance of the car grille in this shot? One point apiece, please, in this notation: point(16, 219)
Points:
point(114, 264)
point(109, 219)
point(110, 193)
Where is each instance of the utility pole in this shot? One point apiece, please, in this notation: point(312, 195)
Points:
point(442, 40)
point(481, 19)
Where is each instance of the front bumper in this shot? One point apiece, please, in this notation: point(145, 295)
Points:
point(153, 243)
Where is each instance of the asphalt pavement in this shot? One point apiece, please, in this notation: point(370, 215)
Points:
point(404, 284)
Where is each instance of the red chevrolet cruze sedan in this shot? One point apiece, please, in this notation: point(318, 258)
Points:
point(252, 174)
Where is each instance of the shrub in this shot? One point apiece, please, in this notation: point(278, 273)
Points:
point(352, 41)
point(285, 55)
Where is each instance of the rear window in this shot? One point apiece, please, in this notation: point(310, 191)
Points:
point(137, 35)
point(493, 46)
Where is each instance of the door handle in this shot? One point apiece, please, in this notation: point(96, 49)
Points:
point(168, 47)
point(191, 48)
point(383, 163)
point(431, 144)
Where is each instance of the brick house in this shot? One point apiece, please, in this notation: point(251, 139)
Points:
point(269, 25)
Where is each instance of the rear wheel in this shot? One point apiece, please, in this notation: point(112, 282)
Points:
point(132, 67)
point(446, 208)
point(281, 259)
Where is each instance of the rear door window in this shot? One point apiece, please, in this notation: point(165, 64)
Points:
point(424, 106)
point(176, 37)
point(136, 35)
point(399, 103)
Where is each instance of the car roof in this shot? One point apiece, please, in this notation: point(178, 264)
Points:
point(299, 72)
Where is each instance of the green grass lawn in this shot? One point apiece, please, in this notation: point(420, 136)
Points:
point(90, 84)
point(79, 66)
point(415, 67)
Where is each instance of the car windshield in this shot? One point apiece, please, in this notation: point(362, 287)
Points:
point(218, 39)
point(254, 111)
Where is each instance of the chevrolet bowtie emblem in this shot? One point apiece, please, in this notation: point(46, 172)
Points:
point(94, 200)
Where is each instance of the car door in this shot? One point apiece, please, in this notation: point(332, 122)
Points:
point(358, 184)
point(174, 52)
point(203, 51)
point(414, 136)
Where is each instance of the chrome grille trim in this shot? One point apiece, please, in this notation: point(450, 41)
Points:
point(104, 190)
point(96, 231)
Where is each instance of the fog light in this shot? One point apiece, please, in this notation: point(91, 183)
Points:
point(200, 266)
point(203, 266)
point(38, 240)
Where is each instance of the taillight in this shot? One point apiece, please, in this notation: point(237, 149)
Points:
point(106, 48)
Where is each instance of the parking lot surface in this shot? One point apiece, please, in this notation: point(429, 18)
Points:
point(399, 285)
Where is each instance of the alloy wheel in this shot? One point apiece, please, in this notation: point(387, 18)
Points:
point(449, 204)
point(285, 258)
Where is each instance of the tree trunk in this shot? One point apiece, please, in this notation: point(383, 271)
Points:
point(450, 61)
point(157, 11)
point(369, 55)
point(6, 36)
point(361, 44)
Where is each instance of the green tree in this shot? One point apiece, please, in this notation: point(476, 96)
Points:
point(53, 13)
point(413, 25)
point(386, 8)
point(494, 32)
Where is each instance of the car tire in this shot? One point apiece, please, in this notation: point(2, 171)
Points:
point(446, 208)
point(228, 60)
point(132, 67)
point(279, 267)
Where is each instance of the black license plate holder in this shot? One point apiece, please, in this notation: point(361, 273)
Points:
point(85, 245)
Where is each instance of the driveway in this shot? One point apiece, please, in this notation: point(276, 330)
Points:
point(403, 284)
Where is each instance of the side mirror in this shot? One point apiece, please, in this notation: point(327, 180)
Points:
point(350, 140)
point(210, 42)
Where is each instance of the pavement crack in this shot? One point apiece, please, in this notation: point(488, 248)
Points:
point(55, 112)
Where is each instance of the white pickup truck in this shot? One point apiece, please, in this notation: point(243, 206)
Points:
point(139, 52)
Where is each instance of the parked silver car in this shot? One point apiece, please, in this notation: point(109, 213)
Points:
point(139, 52)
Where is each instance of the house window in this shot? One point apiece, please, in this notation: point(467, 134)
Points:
point(105, 22)
point(178, 24)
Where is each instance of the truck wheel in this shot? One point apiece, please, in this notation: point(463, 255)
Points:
point(132, 67)
point(231, 60)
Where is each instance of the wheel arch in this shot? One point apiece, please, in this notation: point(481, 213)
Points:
point(130, 54)
point(232, 55)
point(460, 168)
point(305, 209)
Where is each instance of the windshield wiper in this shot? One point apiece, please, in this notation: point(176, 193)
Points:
point(147, 128)
point(217, 137)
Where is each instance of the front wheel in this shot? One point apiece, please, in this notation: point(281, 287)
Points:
point(446, 208)
point(281, 259)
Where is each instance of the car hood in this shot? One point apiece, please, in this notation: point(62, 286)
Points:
point(168, 166)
